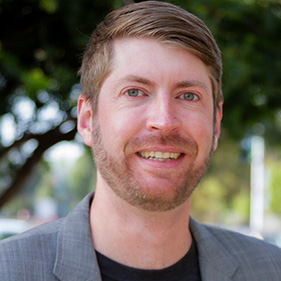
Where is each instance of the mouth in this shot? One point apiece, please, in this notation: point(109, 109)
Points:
point(159, 156)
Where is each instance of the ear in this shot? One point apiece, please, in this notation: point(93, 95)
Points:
point(85, 119)
point(217, 129)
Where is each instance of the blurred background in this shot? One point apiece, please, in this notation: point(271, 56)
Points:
point(45, 170)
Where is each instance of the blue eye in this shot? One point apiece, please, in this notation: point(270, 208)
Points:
point(133, 93)
point(189, 96)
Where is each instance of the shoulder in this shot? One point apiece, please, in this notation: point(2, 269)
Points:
point(36, 247)
point(224, 248)
point(242, 244)
point(47, 251)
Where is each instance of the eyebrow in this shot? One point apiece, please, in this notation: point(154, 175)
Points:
point(136, 78)
point(192, 83)
point(181, 84)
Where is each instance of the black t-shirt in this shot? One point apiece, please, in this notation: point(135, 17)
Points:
point(185, 269)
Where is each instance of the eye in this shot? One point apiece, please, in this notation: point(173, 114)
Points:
point(134, 93)
point(189, 96)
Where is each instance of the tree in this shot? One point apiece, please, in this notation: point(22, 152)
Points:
point(40, 48)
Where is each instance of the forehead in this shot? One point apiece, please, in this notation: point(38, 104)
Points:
point(150, 58)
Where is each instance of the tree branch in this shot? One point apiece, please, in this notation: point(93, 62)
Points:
point(45, 142)
point(28, 136)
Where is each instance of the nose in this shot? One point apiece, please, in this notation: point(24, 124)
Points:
point(162, 116)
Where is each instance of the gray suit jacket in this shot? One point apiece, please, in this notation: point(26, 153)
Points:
point(62, 250)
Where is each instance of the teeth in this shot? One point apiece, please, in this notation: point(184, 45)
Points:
point(159, 156)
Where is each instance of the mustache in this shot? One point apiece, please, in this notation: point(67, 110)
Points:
point(138, 143)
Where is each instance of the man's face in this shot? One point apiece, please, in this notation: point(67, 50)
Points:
point(153, 133)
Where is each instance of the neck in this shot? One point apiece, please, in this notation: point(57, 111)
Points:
point(138, 238)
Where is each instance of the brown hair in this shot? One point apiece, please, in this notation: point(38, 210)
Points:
point(166, 23)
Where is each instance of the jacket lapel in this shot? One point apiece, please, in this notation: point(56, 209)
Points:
point(76, 258)
point(216, 262)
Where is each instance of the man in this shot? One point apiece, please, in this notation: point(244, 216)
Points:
point(150, 108)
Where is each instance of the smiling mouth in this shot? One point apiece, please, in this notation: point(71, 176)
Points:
point(159, 156)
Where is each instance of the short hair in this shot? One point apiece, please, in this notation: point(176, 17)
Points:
point(162, 21)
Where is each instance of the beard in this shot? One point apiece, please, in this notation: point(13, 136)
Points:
point(120, 177)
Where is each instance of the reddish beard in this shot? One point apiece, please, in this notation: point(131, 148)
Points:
point(120, 176)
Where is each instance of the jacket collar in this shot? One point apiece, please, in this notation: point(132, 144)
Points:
point(216, 262)
point(76, 258)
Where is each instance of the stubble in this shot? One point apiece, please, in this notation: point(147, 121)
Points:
point(119, 176)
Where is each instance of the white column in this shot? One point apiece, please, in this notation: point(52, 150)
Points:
point(257, 184)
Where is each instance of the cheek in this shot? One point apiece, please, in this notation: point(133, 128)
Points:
point(205, 140)
point(205, 130)
point(117, 129)
point(200, 128)
point(198, 123)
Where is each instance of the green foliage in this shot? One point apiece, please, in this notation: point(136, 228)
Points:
point(26, 198)
point(81, 183)
point(274, 166)
point(50, 6)
point(65, 182)
point(34, 81)
point(45, 186)
point(225, 187)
